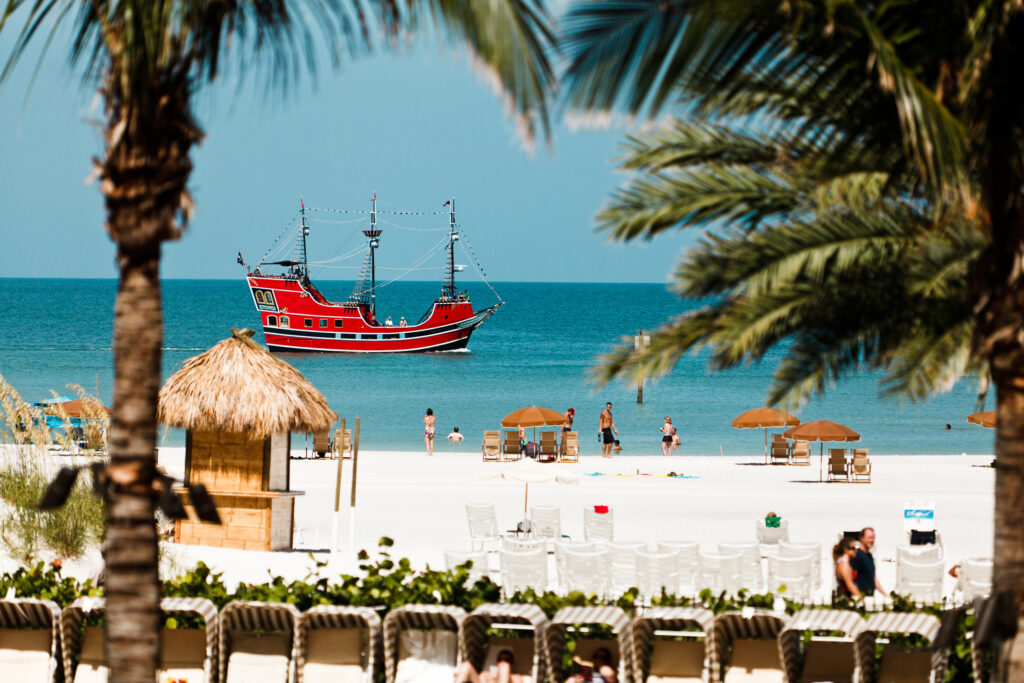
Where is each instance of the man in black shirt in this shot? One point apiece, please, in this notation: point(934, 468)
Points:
point(863, 564)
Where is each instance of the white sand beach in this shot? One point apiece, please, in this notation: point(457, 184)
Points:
point(420, 503)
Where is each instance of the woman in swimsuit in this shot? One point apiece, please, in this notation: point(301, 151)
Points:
point(428, 431)
point(842, 553)
point(666, 436)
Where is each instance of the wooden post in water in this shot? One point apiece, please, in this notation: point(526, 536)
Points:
point(350, 543)
point(337, 492)
point(640, 342)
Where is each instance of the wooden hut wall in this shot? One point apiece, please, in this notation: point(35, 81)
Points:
point(225, 461)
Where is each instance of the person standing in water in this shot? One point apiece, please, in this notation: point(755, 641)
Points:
point(607, 425)
point(428, 430)
point(666, 436)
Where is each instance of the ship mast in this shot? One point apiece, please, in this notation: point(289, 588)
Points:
point(448, 288)
point(303, 233)
point(374, 234)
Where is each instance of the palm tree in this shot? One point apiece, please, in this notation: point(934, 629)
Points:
point(793, 110)
point(148, 58)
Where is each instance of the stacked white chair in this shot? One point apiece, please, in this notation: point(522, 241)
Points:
point(587, 571)
point(598, 526)
point(622, 561)
point(920, 581)
point(483, 524)
point(751, 576)
point(560, 548)
point(656, 573)
point(793, 574)
point(521, 544)
point(688, 557)
point(454, 558)
point(721, 572)
point(975, 578)
point(547, 521)
point(524, 569)
point(787, 549)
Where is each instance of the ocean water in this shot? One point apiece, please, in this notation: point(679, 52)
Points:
point(539, 349)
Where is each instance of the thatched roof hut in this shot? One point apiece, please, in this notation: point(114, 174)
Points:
point(238, 386)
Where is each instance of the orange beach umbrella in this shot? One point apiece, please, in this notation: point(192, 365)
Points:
point(533, 416)
point(77, 409)
point(985, 419)
point(765, 417)
point(821, 431)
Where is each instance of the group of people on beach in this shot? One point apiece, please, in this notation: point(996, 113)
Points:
point(597, 669)
point(855, 566)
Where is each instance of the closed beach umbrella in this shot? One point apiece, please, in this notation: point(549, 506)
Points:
point(985, 419)
point(822, 431)
point(765, 417)
point(529, 472)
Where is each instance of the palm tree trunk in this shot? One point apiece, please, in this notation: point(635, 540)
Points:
point(132, 580)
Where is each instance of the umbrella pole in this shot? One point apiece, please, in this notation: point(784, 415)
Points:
point(765, 445)
point(821, 461)
point(525, 499)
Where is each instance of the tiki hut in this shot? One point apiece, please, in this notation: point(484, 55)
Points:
point(239, 405)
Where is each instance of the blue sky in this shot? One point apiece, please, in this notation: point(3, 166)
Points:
point(415, 128)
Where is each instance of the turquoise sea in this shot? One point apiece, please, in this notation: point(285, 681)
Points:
point(538, 349)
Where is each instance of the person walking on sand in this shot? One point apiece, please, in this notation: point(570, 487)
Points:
point(666, 436)
point(846, 577)
point(428, 430)
point(570, 415)
point(607, 425)
point(864, 564)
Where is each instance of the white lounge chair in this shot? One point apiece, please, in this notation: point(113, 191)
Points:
point(747, 647)
point(832, 658)
point(791, 576)
point(481, 650)
point(587, 571)
point(598, 526)
point(682, 654)
point(524, 569)
point(257, 640)
point(721, 572)
point(455, 558)
point(568, 618)
point(421, 643)
point(338, 645)
point(920, 581)
point(483, 524)
point(975, 578)
point(751, 576)
point(688, 556)
point(918, 553)
point(30, 640)
point(546, 521)
point(522, 544)
point(656, 573)
point(771, 535)
point(560, 548)
point(898, 664)
point(787, 549)
point(622, 561)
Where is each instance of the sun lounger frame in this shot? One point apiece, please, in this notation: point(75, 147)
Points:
point(565, 618)
point(427, 617)
point(32, 613)
point(473, 632)
point(255, 616)
point(732, 626)
point(339, 617)
point(900, 622)
point(847, 621)
point(641, 635)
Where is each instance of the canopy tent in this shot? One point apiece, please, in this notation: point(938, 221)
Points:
point(985, 419)
point(821, 431)
point(764, 418)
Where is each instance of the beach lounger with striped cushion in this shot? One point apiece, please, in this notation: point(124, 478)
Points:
point(421, 643)
point(338, 645)
point(512, 446)
point(568, 618)
point(837, 467)
point(779, 450)
point(832, 658)
point(801, 453)
point(492, 445)
point(747, 647)
point(901, 665)
point(570, 447)
point(860, 468)
point(189, 654)
point(257, 640)
point(666, 648)
point(482, 650)
point(30, 640)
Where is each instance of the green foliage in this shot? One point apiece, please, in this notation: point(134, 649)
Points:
point(45, 582)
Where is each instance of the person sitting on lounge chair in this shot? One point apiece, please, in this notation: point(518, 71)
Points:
point(599, 670)
point(501, 673)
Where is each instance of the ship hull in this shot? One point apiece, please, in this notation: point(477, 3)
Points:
point(297, 318)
